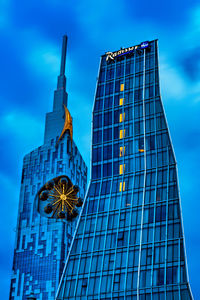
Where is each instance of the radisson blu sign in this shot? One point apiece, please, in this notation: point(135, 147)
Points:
point(124, 51)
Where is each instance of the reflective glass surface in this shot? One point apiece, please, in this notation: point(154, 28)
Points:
point(129, 241)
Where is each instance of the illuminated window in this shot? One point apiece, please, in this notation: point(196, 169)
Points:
point(141, 150)
point(121, 87)
point(122, 133)
point(121, 101)
point(122, 186)
point(121, 151)
point(121, 169)
point(121, 117)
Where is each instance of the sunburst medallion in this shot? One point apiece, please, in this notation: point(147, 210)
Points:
point(58, 199)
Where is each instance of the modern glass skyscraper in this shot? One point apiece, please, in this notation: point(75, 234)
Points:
point(42, 243)
point(129, 242)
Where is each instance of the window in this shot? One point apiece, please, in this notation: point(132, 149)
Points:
point(121, 151)
point(160, 123)
point(100, 90)
point(96, 263)
point(110, 73)
point(119, 282)
point(129, 67)
point(122, 239)
point(84, 264)
point(119, 70)
point(138, 95)
point(161, 194)
point(96, 154)
point(129, 97)
point(97, 121)
point(129, 83)
point(138, 80)
point(107, 118)
point(148, 215)
point(98, 105)
point(93, 285)
point(116, 132)
point(159, 276)
point(111, 240)
point(107, 134)
point(106, 284)
point(108, 102)
point(96, 172)
point(94, 189)
point(107, 169)
point(150, 142)
point(105, 188)
point(149, 79)
point(97, 137)
point(149, 92)
point(102, 75)
point(139, 64)
point(121, 87)
point(121, 169)
point(108, 261)
point(159, 254)
point(138, 126)
point(109, 88)
point(121, 101)
point(122, 133)
point(121, 186)
point(122, 117)
point(172, 275)
point(161, 213)
point(150, 125)
point(107, 152)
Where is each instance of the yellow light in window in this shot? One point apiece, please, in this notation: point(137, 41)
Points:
point(122, 186)
point(122, 133)
point(121, 101)
point(141, 150)
point(121, 169)
point(121, 87)
point(121, 151)
point(121, 117)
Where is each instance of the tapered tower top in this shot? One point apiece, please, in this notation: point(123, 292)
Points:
point(55, 119)
point(63, 59)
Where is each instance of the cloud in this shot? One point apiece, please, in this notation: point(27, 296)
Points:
point(21, 125)
point(42, 56)
point(172, 82)
point(4, 13)
point(195, 20)
point(191, 64)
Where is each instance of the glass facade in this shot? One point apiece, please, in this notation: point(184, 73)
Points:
point(129, 241)
point(42, 244)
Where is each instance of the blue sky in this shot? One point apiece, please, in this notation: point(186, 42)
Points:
point(31, 36)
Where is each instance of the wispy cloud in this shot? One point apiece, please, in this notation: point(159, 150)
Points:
point(21, 125)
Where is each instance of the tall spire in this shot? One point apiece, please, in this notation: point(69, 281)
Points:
point(60, 95)
point(63, 59)
point(56, 119)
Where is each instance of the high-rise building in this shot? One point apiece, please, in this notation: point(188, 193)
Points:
point(42, 243)
point(129, 242)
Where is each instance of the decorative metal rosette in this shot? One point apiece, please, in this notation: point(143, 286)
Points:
point(58, 199)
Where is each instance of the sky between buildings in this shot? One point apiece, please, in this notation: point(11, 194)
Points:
point(31, 38)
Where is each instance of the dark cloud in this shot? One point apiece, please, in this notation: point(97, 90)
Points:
point(191, 64)
point(170, 14)
point(19, 86)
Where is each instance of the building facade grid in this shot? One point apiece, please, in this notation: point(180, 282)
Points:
point(129, 241)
